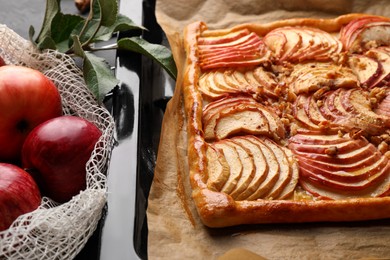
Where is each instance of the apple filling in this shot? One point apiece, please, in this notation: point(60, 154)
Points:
point(297, 113)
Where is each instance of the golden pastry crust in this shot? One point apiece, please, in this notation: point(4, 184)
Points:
point(219, 209)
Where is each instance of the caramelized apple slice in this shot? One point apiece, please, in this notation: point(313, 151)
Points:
point(235, 165)
point(248, 170)
point(241, 119)
point(340, 164)
point(301, 114)
point(341, 158)
point(298, 44)
point(218, 168)
point(210, 111)
point(273, 170)
point(215, 84)
point(275, 41)
point(320, 191)
point(382, 55)
point(222, 119)
point(288, 177)
point(261, 166)
point(223, 38)
point(357, 103)
point(310, 77)
point(365, 33)
point(366, 69)
point(351, 176)
point(242, 48)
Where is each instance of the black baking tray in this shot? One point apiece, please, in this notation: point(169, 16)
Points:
point(137, 105)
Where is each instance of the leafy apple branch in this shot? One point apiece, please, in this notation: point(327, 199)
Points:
point(77, 35)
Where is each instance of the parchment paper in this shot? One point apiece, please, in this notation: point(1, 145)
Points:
point(175, 231)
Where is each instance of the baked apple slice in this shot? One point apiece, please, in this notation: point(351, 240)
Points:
point(266, 80)
point(358, 154)
point(240, 117)
point(259, 168)
point(218, 168)
point(367, 69)
point(288, 172)
point(340, 164)
point(298, 44)
point(323, 192)
point(351, 109)
point(235, 165)
point(365, 32)
point(357, 102)
point(312, 109)
point(382, 55)
point(354, 176)
point(275, 41)
point(212, 107)
point(209, 89)
point(301, 114)
point(273, 168)
point(343, 171)
point(316, 45)
point(248, 170)
point(310, 77)
point(383, 101)
point(260, 163)
point(231, 49)
point(215, 84)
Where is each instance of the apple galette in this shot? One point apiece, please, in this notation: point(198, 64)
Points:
point(289, 121)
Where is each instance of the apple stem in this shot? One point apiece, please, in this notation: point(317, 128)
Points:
point(104, 48)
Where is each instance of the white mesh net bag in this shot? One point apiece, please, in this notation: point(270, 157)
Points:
point(60, 231)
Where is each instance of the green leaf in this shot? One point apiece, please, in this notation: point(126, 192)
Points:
point(52, 9)
point(108, 11)
point(62, 28)
point(46, 43)
point(86, 31)
point(122, 24)
point(99, 78)
point(77, 48)
point(159, 53)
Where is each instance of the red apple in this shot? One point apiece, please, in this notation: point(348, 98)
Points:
point(2, 62)
point(27, 98)
point(19, 194)
point(56, 152)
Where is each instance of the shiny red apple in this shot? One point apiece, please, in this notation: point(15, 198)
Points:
point(56, 153)
point(27, 98)
point(19, 194)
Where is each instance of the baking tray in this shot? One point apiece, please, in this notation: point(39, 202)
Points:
point(137, 105)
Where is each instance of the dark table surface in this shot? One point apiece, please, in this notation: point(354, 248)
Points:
point(137, 105)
